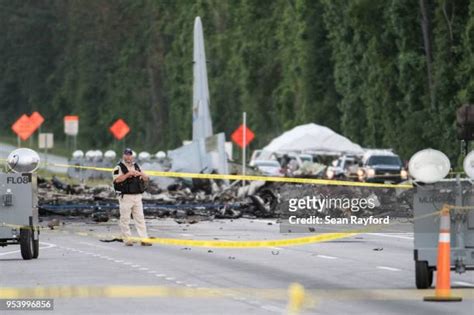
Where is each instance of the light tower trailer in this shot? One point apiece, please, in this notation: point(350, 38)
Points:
point(429, 199)
point(19, 213)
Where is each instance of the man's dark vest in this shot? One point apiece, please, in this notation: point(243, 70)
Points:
point(132, 185)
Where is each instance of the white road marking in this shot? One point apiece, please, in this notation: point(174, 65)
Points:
point(277, 248)
point(326, 257)
point(271, 308)
point(131, 265)
point(464, 283)
point(393, 235)
point(388, 268)
point(98, 246)
point(48, 245)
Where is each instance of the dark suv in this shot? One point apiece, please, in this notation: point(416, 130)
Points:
point(383, 167)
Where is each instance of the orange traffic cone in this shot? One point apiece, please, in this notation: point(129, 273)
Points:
point(443, 267)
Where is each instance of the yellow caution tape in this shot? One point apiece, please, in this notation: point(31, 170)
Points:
point(297, 180)
point(247, 244)
point(296, 295)
point(93, 168)
point(124, 291)
point(297, 299)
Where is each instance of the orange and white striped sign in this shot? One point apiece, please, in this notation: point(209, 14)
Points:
point(71, 125)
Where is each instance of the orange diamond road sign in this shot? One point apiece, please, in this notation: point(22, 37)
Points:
point(119, 129)
point(24, 127)
point(238, 136)
point(36, 119)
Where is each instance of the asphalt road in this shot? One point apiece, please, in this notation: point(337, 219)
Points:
point(363, 274)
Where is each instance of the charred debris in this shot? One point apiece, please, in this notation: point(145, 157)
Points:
point(191, 201)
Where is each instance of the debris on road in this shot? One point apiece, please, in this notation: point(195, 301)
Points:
point(113, 240)
point(186, 202)
point(190, 202)
point(53, 223)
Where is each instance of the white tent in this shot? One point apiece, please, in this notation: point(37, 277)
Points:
point(312, 137)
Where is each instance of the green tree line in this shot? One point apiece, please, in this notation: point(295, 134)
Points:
point(384, 73)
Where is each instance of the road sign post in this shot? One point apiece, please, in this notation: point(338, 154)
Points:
point(45, 141)
point(244, 118)
point(71, 128)
point(242, 136)
point(37, 120)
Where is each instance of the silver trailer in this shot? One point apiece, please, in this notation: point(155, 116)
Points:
point(18, 203)
point(428, 200)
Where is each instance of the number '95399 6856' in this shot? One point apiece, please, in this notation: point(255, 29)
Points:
point(26, 304)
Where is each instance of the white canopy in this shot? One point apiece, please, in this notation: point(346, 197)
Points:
point(312, 137)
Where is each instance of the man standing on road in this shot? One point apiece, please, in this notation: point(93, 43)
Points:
point(129, 181)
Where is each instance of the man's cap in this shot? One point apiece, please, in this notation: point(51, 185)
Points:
point(128, 151)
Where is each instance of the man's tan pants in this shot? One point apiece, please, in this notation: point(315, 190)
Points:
point(132, 205)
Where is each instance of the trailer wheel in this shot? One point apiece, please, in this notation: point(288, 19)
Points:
point(26, 243)
point(423, 275)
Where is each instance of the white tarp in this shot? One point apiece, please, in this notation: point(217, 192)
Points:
point(312, 137)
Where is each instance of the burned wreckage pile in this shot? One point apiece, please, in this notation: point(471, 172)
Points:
point(184, 200)
point(191, 201)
